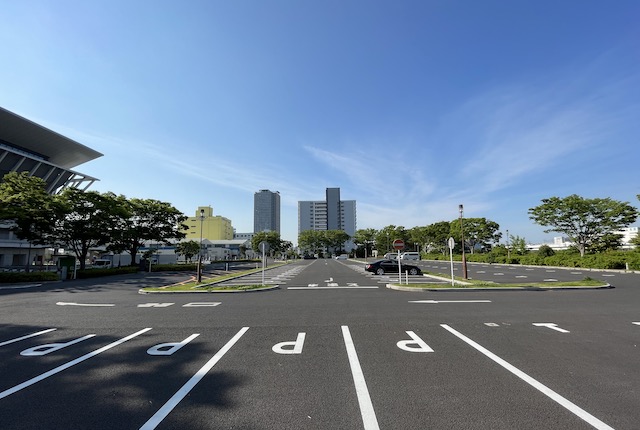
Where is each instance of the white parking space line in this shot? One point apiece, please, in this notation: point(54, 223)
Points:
point(593, 421)
point(17, 339)
point(364, 400)
point(162, 413)
point(310, 287)
point(69, 364)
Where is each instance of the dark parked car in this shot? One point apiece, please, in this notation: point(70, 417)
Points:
point(381, 267)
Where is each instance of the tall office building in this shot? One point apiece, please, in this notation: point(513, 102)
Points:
point(330, 214)
point(266, 211)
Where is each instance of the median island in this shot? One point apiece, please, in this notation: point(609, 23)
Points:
point(212, 284)
point(471, 284)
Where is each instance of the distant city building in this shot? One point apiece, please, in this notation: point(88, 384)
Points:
point(330, 214)
point(213, 227)
point(28, 147)
point(266, 211)
point(243, 236)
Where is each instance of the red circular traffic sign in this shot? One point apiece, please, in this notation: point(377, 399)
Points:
point(398, 244)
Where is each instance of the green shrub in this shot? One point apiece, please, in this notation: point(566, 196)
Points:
point(97, 273)
point(17, 277)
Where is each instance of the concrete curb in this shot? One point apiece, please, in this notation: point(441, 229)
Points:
point(523, 288)
point(255, 290)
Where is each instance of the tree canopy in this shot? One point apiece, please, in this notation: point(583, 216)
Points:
point(587, 222)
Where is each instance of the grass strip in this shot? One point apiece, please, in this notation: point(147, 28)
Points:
point(209, 284)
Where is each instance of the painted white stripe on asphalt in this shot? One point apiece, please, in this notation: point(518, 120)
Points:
point(69, 364)
point(38, 333)
point(364, 400)
point(186, 388)
point(95, 305)
point(595, 422)
point(326, 288)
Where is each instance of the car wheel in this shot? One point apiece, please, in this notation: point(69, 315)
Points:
point(413, 271)
point(379, 271)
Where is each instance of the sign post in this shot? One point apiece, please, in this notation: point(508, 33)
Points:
point(452, 244)
point(264, 247)
point(398, 244)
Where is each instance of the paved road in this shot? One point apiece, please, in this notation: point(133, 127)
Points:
point(332, 348)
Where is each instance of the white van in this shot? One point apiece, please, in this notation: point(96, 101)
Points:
point(391, 256)
point(102, 263)
point(410, 256)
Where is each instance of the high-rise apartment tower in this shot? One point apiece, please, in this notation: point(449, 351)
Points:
point(330, 214)
point(266, 211)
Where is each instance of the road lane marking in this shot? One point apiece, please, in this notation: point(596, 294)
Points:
point(311, 287)
point(364, 400)
point(69, 364)
point(85, 304)
point(201, 304)
point(449, 301)
point(17, 339)
point(552, 326)
point(636, 323)
point(162, 413)
point(575, 409)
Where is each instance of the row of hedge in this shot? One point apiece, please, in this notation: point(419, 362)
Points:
point(629, 260)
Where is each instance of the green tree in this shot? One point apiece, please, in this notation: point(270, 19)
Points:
point(419, 236)
point(83, 220)
point(437, 236)
point(584, 221)
point(26, 205)
point(141, 220)
point(335, 239)
point(312, 241)
point(518, 244)
point(188, 248)
point(365, 238)
point(271, 237)
point(478, 232)
point(546, 251)
point(386, 236)
point(607, 242)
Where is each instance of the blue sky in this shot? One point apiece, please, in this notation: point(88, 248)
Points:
point(410, 107)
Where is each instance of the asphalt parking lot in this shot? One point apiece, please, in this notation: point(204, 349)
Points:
point(331, 347)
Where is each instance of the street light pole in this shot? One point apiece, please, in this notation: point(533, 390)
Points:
point(200, 250)
point(508, 250)
point(464, 258)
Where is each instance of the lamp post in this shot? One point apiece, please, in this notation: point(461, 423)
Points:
point(200, 251)
point(464, 258)
point(508, 250)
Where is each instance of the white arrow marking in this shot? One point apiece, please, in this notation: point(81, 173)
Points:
point(84, 304)
point(636, 323)
point(154, 305)
point(200, 304)
point(332, 284)
point(330, 280)
point(313, 285)
point(450, 301)
point(352, 284)
point(552, 326)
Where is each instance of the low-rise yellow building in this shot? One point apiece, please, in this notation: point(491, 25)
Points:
point(213, 227)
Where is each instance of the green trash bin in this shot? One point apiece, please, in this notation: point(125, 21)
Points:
point(67, 267)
